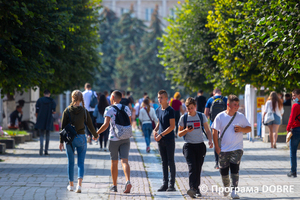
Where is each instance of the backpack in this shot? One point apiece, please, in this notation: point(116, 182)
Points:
point(94, 100)
point(122, 127)
point(218, 105)
point(201, 121)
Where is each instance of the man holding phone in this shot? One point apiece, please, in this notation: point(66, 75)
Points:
point(231, 125)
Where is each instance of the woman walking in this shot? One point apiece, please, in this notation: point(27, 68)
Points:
point(177, 106)
point(294, 127)
point(147, 115)
point(275, 105)
point(98, 114)
point(76, 115)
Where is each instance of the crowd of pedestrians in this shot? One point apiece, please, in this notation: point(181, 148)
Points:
point(110, 119)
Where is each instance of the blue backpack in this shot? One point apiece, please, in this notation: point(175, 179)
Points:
point(94, 100)
point(201, 121)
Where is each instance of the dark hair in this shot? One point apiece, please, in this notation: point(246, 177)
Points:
point(117, 94)
point(147, 104)
point(105, 92)
point(21, 102)
point(87, 85)
point(128, 93)
point(46, 91)
point(296, 91)
point(145, 93)
point(190, 101)
point(17, 107)
point(232, 98)
point(200, 91)
point(287, 95)
point(103, 103)
point(160, 92)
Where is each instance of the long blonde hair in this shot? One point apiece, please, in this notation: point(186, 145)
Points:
point(275, 99)
point(77, 96)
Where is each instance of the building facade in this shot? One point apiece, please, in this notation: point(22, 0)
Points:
point(143, 9)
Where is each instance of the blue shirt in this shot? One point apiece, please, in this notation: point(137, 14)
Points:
point(211, 100)
point(164, 117)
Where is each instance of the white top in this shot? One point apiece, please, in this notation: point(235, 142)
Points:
point(144, 116)
point(268, 108)
point(137, 108)
point(111, 112)
point(87, 95)
point(231, 140)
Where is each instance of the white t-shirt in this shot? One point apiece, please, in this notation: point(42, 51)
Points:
point(111, 112)
point(231, 140)
point(137, 108)
point(269, 107)
point(87, 95)
point(144, 118)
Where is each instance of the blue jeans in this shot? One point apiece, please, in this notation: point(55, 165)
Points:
point(294, 142)
point(79, 143)
point(147, 130)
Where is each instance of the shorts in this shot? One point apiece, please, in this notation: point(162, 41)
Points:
point(119, 148)
point(276, 120)
point(234, 157)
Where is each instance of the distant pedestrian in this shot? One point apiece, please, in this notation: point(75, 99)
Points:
point(147, 117)
point(201, 101)
point(164, 135)
point(215, 105)
point(191, 126)
point(76, 115)
point(45, 107)
point(16, 115)
point(288, 100)
point(274, 105)
point(176, 104)
point(125, 101)
point(294, 126)
point(230, 125)
point(119, 148)
point(107, 96)
point(184, 108)
point(99, 115)
point(88, 94)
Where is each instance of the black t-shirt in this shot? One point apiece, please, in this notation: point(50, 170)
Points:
point(164, 117)
point(201, 101)
point(124, 101)
point(13, 116)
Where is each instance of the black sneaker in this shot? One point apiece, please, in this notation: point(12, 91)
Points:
point(198, 194)
point(292, 174)
point(171, 189)
point(192, 193)
point(46, 154)
point(113, 188)
point(162, 188)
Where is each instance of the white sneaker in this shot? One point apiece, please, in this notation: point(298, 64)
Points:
point(234, 195)
point(78, 189)
point(70, 188)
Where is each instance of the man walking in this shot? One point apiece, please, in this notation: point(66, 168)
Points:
point(117, 147)
point(231, 125)
point(201, 101)
point(45, 107)
point(213, 107)
point(87, 97)
point(164, 135)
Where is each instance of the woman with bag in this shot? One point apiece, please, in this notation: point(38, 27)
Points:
point(148, 119)
point(177, 106)
point(77, 116)
point(272, 116)
point(294, 127)
point(98, 114)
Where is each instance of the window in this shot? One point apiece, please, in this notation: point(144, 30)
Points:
point(149, 12)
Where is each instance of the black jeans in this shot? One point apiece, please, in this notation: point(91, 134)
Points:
point(167, 151)
point(93, 120)
point(42, 133)
point(103, 136)
point(177, 117)
point(194, 155)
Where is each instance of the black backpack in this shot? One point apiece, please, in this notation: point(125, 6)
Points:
point(201, 121)
point(218, 105)
point(94, 100)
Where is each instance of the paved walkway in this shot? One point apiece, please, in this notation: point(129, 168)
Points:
point(26, 175)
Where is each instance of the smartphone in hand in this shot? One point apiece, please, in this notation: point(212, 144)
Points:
point(190, 127)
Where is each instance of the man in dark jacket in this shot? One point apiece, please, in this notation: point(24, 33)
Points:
point(45, 107)
point(17, 114)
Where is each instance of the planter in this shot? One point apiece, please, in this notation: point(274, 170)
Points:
point(27, 137)
point(10, 143)
point(2, 148)
point(280, 139)
point(18, 138)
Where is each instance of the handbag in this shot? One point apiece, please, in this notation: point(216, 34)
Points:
point(69, 132)
point(289, 136)
point(220, 138)
point(153, 123)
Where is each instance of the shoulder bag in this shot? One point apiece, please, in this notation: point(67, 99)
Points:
point(153, 123)
point(220, 138)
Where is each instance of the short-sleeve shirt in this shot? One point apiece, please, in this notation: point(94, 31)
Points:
point(176, 104)
point(111, 112)
point(211, 100)
point(164, 117)
point(201, 102)
point(231, 140)
point(196, 136)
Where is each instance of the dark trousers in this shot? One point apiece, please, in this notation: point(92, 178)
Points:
point(177, 117)
point(42, 133)
point(194, 155)
point(93, 120)
point(103, 137)
point(167, 151)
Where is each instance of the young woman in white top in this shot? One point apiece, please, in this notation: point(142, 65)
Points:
point(146, 112)
point(274, 104)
